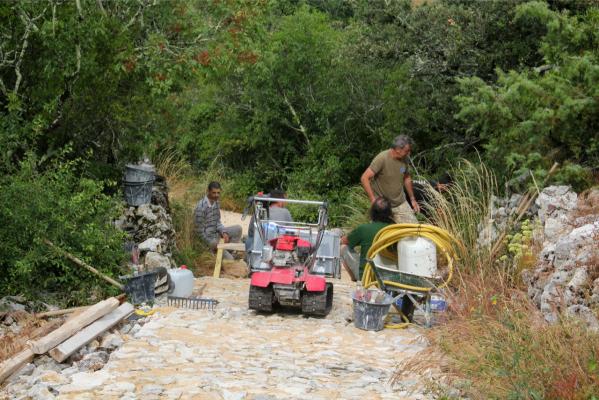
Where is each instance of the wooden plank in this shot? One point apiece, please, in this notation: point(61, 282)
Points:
point(73, 325)
point(231, 246)
point(89, 333)
point(10, 366)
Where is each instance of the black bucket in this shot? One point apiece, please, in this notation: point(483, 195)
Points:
point(140, 288)
point(139, 173)
point(370, 316)
point(138, 193)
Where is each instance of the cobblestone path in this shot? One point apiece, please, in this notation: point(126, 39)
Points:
point(234, 353)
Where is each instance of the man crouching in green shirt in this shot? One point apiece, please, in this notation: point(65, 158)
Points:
point(381, 215)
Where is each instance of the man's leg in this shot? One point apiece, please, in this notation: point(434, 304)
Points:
point(234, 232)
point(403, 214)
point(351, 262)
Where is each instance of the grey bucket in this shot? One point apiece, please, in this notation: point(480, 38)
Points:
point(139, 173)
point(140, 288)
point(138, 193)
point(370, 316)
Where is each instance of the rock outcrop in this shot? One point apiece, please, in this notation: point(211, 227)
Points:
point(565, 280)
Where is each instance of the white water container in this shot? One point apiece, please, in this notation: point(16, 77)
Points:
point(182, 278)
point(417, 256)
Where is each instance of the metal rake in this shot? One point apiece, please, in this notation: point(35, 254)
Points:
point(194, 303)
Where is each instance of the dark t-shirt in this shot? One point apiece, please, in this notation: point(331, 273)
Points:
point(363, 236)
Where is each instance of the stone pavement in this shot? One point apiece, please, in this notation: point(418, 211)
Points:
point(234, 353)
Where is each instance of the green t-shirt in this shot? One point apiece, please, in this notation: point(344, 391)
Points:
point(388, 177)
point(363, 236)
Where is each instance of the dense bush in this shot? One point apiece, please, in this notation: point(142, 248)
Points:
point(70, 210)
point(530, 119)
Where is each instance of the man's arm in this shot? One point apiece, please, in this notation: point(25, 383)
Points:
point(200, 219)
point(365, 181)
point(407, 181)
point(220, 228)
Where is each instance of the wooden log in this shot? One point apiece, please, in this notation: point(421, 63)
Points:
point(87, 334)
point(84, 265)
point(73, 325)
point(56, 313)
point(10, 366)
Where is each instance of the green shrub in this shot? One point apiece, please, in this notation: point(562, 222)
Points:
point(73, 213)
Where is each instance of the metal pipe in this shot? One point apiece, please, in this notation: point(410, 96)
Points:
point(290, 201)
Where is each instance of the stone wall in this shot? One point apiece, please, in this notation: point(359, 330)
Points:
point(565, 280)
point(150, 228)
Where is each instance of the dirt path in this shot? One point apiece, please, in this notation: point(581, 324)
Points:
point(234, 353)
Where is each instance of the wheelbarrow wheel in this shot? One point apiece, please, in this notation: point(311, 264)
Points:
point(407, 308)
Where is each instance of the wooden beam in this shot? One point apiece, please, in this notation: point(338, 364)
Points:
point(218, 263)
point(89, 333)
point(73, 325)
point(10, 366)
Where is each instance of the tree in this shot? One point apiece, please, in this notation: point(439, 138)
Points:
point(532, 118)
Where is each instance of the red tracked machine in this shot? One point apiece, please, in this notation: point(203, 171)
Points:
point(291, 261)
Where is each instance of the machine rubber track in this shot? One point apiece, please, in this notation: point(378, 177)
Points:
point(261, 299)
point(318, 303)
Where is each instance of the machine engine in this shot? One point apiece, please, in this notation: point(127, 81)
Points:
point(289, 251)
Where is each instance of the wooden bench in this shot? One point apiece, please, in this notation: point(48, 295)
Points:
point(219, 254)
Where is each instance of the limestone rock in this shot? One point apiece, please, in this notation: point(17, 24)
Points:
point(111, 341)
point(93, 361)
point(156, 260)
point(585, 314)
point(151, 244)
point(555, 201)
point(86, 381)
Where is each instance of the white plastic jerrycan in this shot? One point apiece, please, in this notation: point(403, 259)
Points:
point(417, 256)
point(182, 279)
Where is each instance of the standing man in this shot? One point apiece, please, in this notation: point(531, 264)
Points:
point(208, 225)
point(387, 176)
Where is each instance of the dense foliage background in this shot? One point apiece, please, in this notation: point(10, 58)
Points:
point(290, 93)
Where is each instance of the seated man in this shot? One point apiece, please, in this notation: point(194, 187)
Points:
point(208, 224)
point(276, 212)
point(381, 215)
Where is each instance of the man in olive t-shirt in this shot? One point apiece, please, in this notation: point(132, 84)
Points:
point(387, 176)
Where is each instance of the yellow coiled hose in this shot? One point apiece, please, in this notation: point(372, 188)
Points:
point(390, 235)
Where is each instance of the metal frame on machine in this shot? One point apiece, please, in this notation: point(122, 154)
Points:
point(261, 218)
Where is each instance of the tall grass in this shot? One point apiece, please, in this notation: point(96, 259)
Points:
point(495, 343)
point(355, 209)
